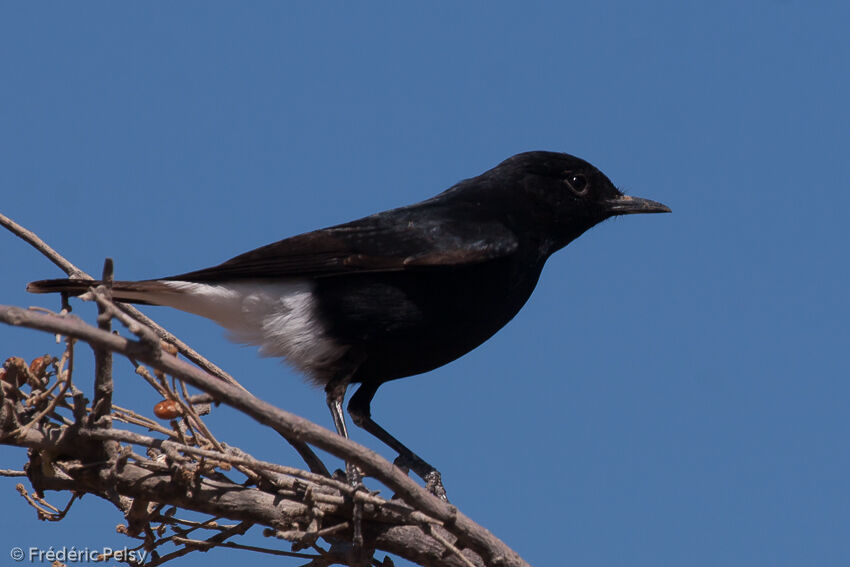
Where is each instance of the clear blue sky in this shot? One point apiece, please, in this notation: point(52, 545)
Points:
point(676, 390)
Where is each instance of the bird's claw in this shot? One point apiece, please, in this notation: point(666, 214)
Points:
point(433, 479)
point(434, 485)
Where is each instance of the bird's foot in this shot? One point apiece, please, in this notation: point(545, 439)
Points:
point(432, 477)
point(352, 475)
point(434, 485)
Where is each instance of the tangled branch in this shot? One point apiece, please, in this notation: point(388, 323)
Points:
point(154, 474)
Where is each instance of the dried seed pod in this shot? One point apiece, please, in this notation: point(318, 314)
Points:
point(167, 409)
point(16, 371)
point(38, 366)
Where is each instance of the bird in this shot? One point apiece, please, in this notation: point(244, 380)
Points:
point(400, 292)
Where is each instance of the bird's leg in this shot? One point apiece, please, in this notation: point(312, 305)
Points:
point(335, 392)
point(360, 411)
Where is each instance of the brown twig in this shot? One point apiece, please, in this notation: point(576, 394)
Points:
point(61, 377)
point(76, 273)
point(287, 512)
point(215, 541)
point(46, 511)
point(37, 243)
point(102, 404)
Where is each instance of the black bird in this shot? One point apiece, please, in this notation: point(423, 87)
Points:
point(399, 292)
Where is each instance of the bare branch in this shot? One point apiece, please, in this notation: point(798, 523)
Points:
point(102, 405)
point(73, 271)
point(11, 472)
point(151, 480)
point(40, 245)
point(76, 273)
point(468, 533)
point(289, 513)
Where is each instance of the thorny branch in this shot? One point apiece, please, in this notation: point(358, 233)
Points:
point(156, 474)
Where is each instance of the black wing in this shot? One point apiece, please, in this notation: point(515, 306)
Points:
point(402, 239)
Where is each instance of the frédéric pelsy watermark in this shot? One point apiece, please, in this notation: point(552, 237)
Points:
point(73, 554)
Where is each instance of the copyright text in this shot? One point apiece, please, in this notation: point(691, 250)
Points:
point(73, 555)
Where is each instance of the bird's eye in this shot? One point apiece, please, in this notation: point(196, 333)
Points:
point(577, 182)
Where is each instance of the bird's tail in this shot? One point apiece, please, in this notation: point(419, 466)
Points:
point(64, 285)
point(126, 291)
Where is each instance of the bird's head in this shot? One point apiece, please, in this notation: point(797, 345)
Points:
point(564, 195)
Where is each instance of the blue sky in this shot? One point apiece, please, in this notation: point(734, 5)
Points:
point(675, 392)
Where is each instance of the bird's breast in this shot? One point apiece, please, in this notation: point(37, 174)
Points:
point(405, 323)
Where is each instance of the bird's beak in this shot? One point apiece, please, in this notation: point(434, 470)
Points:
point(626, 205)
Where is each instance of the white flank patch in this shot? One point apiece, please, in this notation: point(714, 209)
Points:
point(280, 317)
